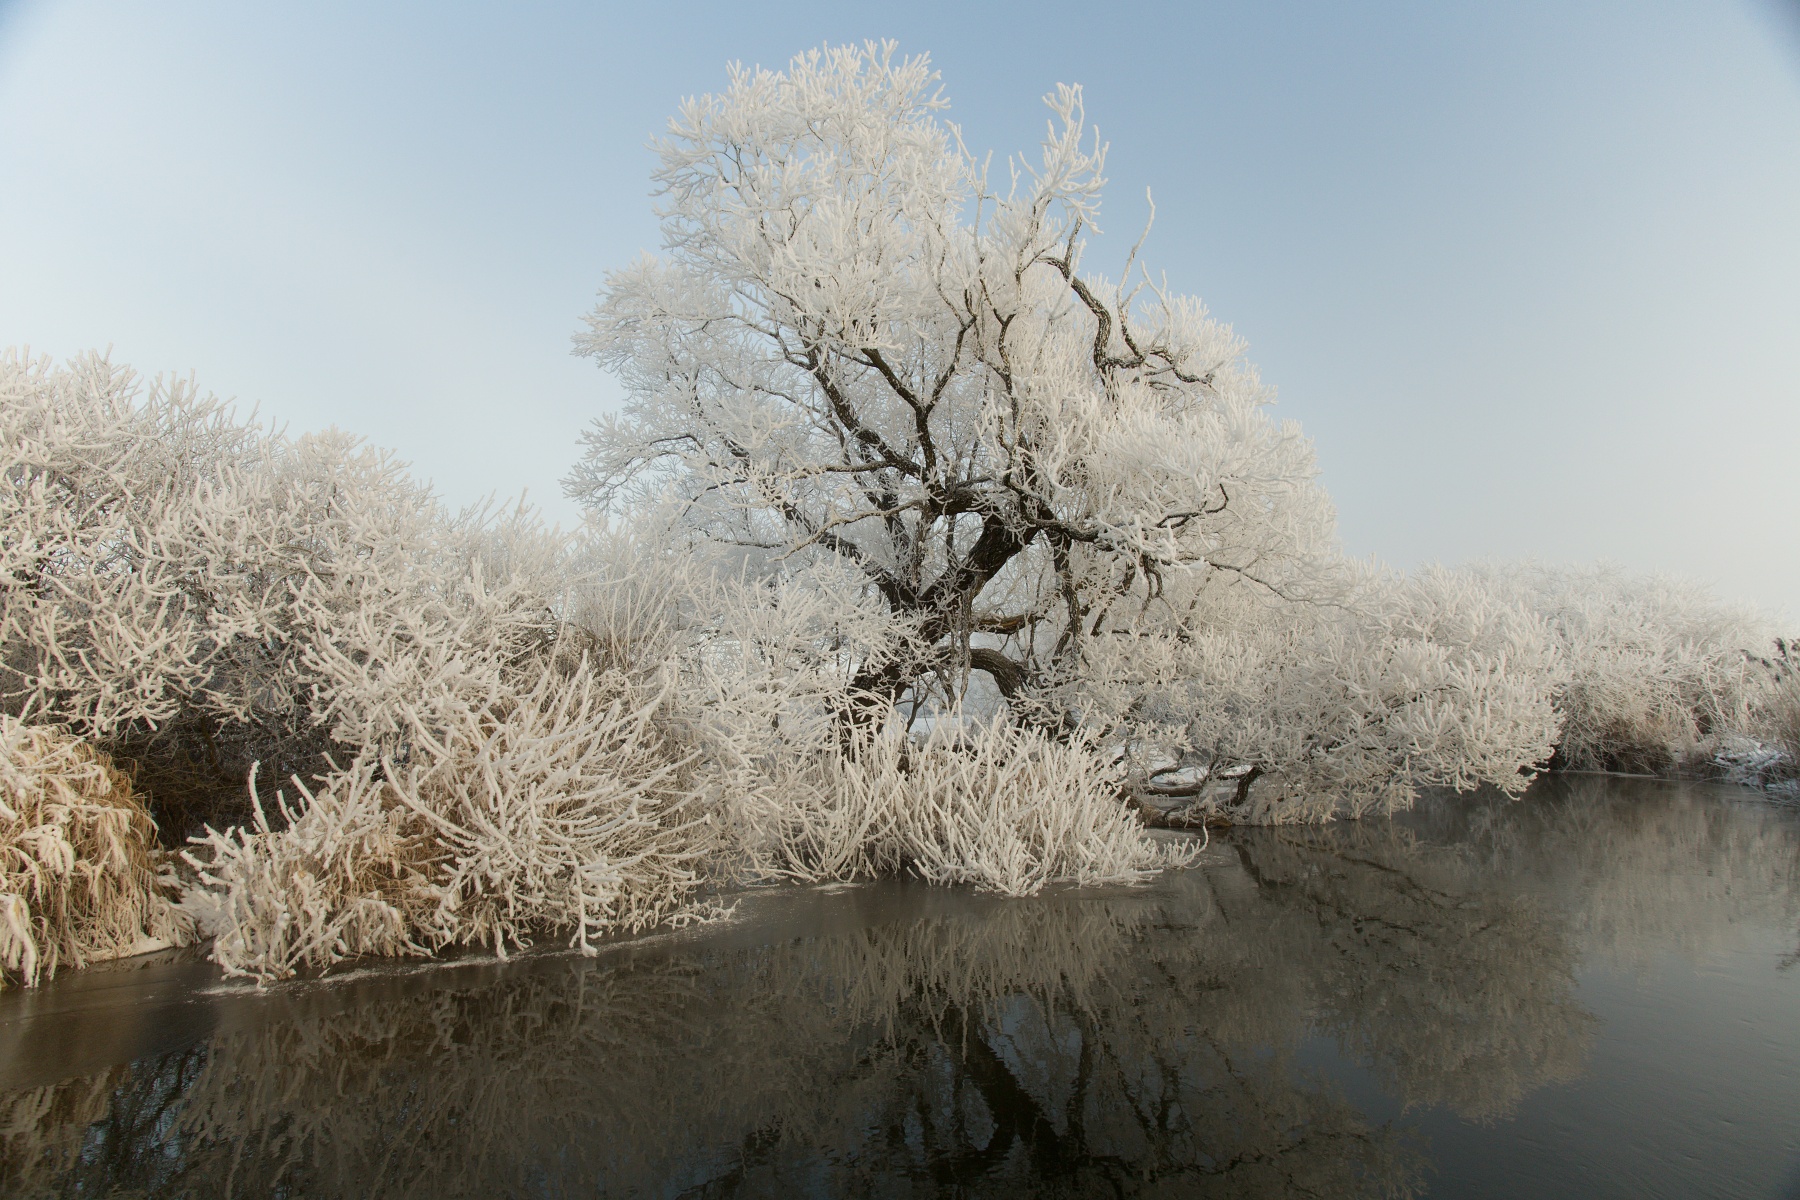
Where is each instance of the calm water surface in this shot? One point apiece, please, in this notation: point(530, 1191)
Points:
point(1592, 992)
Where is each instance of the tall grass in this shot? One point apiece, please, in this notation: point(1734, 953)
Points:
point(77, 881)
point(994, 806)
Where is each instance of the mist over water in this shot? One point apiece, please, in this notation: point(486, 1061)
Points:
point(1589, 992)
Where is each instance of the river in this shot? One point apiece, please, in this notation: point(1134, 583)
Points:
point(1590, 992)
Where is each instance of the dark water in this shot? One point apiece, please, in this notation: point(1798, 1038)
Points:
point(1592, 992)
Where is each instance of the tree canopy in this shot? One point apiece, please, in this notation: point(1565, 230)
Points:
point(857, 345)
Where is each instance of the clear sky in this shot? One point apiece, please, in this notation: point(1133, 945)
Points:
point(1528, 273)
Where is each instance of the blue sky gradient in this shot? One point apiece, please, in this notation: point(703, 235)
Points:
point(1529, 274)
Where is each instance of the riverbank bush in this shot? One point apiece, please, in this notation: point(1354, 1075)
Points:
point(465, 765)
point(78, 883)
point(556, 807)
point(985, 803)
point(1280, 712)
point(1770, 757)
point(1783, 721)
point(1657, 674)
point(192, 589)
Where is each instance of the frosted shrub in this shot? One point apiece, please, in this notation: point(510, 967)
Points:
point(1010, 810)
point(77, 884)
point(505, 786)
point(174, 576)
point(1470, 677)
point(122, 602)
point(177, 584)
point(1655, 670)
point(1282, 712)
point(1768, 755)
point(556, 808)
point(515, 774)
point(173, 579)
point(825, 818)
point(340, 877)
point(568, 809)
point(1784, 715)
point(1002, 808)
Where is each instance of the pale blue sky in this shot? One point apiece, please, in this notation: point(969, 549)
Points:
point(1529, 273)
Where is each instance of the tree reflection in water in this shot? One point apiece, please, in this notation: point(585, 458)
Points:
point(900, 1040)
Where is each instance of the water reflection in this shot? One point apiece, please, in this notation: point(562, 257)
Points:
point(1637, 869)
point(899, 1040)
point(1454, 986)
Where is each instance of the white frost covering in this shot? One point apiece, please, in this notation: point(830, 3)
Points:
point(1001, 808)
point(1656, 671)
point(503, 774)
point(557, 806)
point(77, 883)
point(861, 358)
point(1339, 709)
point(858, 351)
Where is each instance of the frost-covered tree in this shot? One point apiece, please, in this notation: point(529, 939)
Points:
point(857, 347)
point(859, 354)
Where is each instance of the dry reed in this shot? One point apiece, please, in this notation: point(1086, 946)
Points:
point(78, 883)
